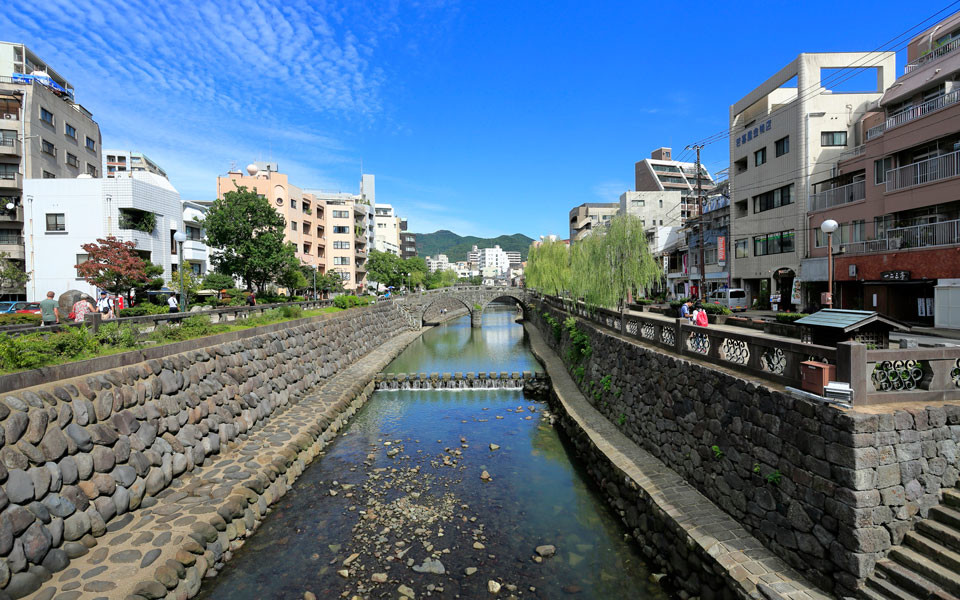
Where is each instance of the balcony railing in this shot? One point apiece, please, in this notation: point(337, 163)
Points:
point(851, 192)
point(914, 112)
point(933, 55)
point(10, 181)
point(930, 235)
point(924, 171)
point(10, 146)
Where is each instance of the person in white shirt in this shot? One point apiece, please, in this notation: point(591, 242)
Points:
point(172, 303)
point(105, 306)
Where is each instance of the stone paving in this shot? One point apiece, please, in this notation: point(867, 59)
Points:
point(186, 532)
point(750, 569)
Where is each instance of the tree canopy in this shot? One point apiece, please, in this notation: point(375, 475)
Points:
point(612, 263)
point(113, 265)
point(247, 236)
point(548, 267)
point(12, 275)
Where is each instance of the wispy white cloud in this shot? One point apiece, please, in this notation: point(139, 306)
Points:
point(609, 191)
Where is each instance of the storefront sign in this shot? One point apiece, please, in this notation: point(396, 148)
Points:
point(749, 134)
point(721, 249)
point(795, 292)
point(895, 275)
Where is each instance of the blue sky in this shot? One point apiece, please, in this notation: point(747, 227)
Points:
point(483, 118)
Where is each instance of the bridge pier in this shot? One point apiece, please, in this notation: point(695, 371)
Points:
point(476, 318)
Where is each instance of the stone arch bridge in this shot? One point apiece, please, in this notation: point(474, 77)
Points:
point(474, 298)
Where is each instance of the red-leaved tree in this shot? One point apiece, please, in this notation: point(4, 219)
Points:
point(113, 265)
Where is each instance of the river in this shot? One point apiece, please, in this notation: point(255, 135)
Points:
point(401, 488)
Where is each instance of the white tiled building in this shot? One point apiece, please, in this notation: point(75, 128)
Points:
point(67, 213)
point(438, 263)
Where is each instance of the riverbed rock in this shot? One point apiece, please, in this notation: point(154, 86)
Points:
point(430, 565)
point(546, 550)
point(493, 587)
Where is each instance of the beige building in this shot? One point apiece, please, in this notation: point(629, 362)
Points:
point(44, 134)
point(783, 137)
point(387, 229)
point(589, 215)
point(660, 173)
point(118, 163)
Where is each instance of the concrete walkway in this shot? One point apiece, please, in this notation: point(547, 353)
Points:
point(747, 562)
point(164, 548)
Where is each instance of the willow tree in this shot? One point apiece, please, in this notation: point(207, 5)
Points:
point(612, 263)
point(548, 267)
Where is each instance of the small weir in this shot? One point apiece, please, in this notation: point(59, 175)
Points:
point(431, 494)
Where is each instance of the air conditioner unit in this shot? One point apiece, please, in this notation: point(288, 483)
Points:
point(9, 116)
point(894, 243)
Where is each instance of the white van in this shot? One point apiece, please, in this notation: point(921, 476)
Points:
point(735, 299)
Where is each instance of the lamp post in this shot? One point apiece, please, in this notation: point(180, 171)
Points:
point(828, 227)
point(180, 237)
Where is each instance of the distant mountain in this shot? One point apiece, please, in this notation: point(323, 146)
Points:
point(456, 246)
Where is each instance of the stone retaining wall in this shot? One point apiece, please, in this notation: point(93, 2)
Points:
point(76, 453)
point(828, 490)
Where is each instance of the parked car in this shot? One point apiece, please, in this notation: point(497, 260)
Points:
point(32, 308)
point(7, 307)
point(734, 298)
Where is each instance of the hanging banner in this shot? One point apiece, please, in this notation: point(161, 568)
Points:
point(795, 292)
point(721, 249)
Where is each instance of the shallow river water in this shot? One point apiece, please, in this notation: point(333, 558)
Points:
point(401, 488)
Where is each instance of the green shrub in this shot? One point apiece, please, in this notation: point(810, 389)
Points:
point(115, 335)
point(790, 317)
point(716, 309)
point(25, 352)
point(346, 301)
point(644, 301)
point(217, 281)
point(73, 342)
point(20, 319)
point(291, 312)
point(580, 348)
point(144, 309)
point(191, 327)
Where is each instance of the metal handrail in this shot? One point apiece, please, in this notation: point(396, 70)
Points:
point(912, 113)
point(933, 55)
point(933, 169)
point(928, 235)
point(852, 192)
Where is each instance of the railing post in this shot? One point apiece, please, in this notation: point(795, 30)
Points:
point(93, 320)
point(852, 368)
point(680, 344)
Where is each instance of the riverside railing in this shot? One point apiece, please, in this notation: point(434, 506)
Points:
point(875, 375)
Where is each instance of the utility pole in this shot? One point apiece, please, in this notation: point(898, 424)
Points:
point(703, 241)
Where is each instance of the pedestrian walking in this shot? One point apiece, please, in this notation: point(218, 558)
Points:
point(105, 306)
point(251, 299)
point(49, 311)
point(172, 303)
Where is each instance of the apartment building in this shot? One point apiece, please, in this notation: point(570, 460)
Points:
point(143, 208)
point(44, 134)
point(351, 227)
point(712, 225)
point(588, 216)
point(492, 262)
point(785, 134)
point(653, 208)
point(660, 173)
point(438, 263)
point(117, 163)
point(387, 229)
point(408, 242)
point(896, 197)
point(195, 251)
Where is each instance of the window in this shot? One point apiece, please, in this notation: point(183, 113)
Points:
point(858, 231)
point(70, 130)
point(49, 175)
point(671, 179)
point(833, 138)
point(91, 145)
point(773, 199)
point(48, 148)
point(341, 229)
point(293, 225)
point(636, 202)
point(56, 222)
point(341, 260)
point(760, 156)
point(772, 243)
point(46, 116)
point(341, 214)
point(194, 233)
point(10, 236)
point(306, 248)
point(293, 203)
point(73, 161)
point(661, 203)
point(740, 165)
point(341, 245)
point(81, 258)
point(92, 170)
point(880, 168)
point(782, 146)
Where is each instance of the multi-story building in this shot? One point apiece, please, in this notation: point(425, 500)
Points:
point(654, 209)
point(118, 162)
point(195, 251)
point(408, 242)
point(589, 215)
point(67, 213)
point(514, 259)
point(715, 223)
point(438, 263)
point(661, 173)
point(387, 229)
point(896, 196)
point(44, 134)
point(488, 260)
point(783, 138)
point(305, 215)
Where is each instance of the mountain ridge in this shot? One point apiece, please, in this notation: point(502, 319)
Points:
point(444, 241)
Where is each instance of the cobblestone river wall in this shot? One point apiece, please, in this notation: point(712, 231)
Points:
point(77, 453)
point(828, 490)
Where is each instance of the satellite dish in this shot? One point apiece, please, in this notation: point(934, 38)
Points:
point(252, 169)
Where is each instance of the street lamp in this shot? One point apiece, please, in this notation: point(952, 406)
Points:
point(180, 237)
point(828, 227)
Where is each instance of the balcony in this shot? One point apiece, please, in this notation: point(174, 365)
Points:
point(10, 147)
point(13, 181)
point(914, 112)
point(13, 247)
point(852, 192)
point(930, 235)
point(932, 55)
point(934, 169)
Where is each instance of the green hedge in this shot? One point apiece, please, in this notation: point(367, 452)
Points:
point(786, 317)
point(144, 309)
point(21, 319)
point(349, 301)
point(716, 309)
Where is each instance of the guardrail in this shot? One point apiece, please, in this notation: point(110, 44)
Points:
point(876, 376)
point(151, 322)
